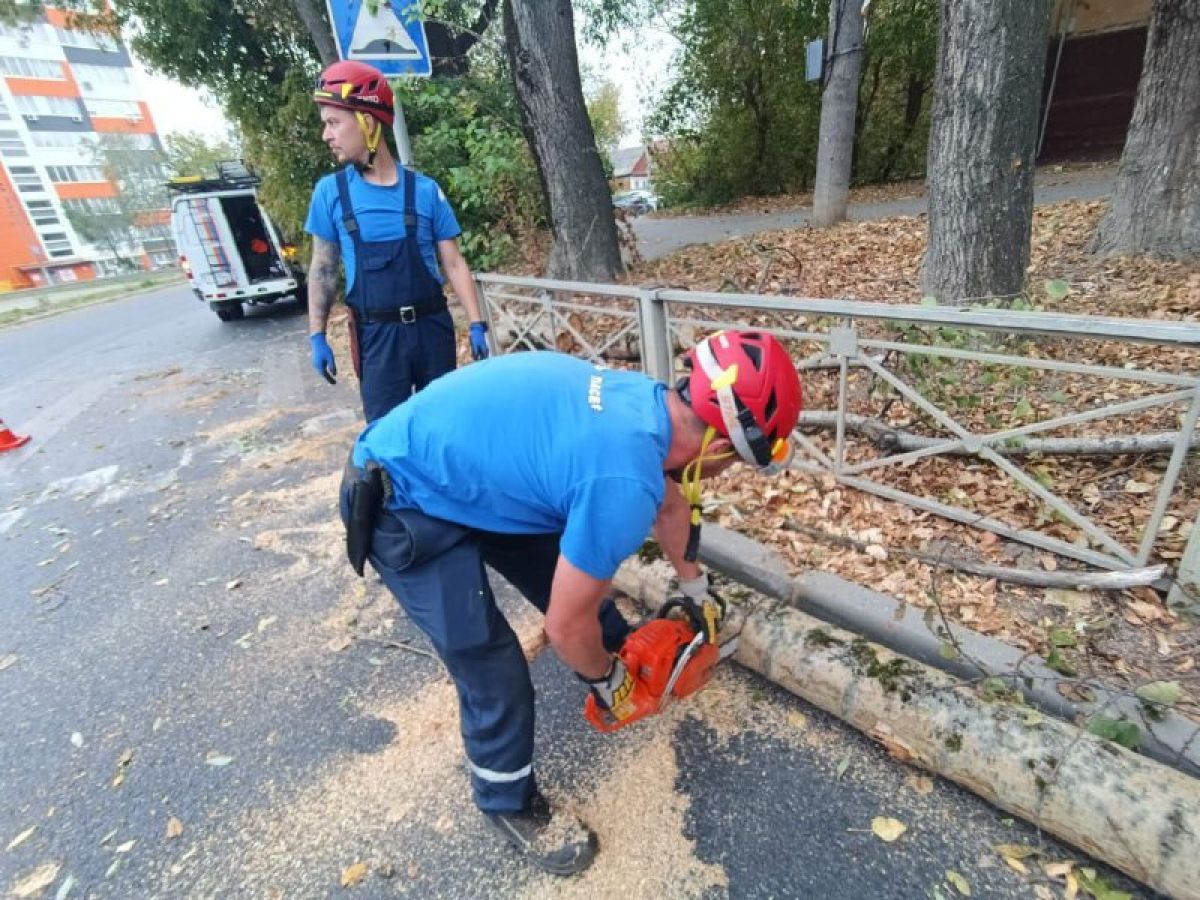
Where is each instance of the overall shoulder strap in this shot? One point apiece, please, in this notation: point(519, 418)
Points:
point(351, 223)
point(410, 203)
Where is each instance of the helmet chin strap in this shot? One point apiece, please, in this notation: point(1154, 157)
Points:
point(690, 483)
point(372, 131)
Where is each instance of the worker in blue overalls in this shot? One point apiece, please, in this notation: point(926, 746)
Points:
point(389, 226)
point(551, 471)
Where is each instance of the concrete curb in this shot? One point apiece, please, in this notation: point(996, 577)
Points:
point(1171, 739)
point(1136, 814)
point(67, 307)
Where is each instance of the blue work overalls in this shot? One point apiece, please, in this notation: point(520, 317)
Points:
point(436, 570)
point(405, 333)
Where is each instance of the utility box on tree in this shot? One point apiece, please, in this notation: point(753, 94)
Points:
point(228, 245)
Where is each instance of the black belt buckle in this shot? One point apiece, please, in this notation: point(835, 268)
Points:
point(366, 501)
point(408, 314)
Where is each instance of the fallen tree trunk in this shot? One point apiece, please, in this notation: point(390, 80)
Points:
point(897, 440)
point(1132, 812)
point(1079, 581)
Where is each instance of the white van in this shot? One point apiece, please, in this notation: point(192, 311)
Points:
point(227, 243)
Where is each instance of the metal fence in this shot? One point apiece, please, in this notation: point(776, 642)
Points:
point(936, 366)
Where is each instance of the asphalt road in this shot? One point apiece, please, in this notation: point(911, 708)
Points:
point(198, 699)
point(660, 237)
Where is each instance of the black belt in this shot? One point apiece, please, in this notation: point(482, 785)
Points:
point(404, 314)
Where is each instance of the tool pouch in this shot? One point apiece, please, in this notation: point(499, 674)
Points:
point(366, 501)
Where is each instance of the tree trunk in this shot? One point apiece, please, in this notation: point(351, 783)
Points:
point(991, 56)
point(312, 14)
point(540, 39)
point(1156, 205)
point(835, 153)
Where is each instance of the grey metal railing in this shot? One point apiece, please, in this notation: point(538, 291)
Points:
point(644, 326)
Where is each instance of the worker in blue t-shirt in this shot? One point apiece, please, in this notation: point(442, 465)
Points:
point(551, 471)
point(388, 225)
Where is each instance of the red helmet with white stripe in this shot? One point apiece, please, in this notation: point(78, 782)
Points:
point(357, 86)
point(744, 384)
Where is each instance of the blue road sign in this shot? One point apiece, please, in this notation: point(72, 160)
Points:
point(388, 34)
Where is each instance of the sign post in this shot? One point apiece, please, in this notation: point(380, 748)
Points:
point(389, 35)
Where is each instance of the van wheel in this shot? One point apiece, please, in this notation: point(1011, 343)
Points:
point(230, 312)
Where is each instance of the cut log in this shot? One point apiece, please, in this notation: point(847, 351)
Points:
point(897, 440)
point(1135, 814)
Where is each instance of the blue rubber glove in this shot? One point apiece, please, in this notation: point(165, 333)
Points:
point(479, 344)
point(322, 357)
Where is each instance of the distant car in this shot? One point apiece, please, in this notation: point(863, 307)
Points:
point(636, 203)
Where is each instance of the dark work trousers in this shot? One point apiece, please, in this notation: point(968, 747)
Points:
point(436, 571)
point(405, 333)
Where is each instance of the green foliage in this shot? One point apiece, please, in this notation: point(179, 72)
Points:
point(466, 134)
point(894, 96)
point(190, 153)
point(1119, 731)
point(604, 109)
point(740, 116)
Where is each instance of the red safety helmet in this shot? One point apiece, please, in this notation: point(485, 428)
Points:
point(359, 87)
point(744, 384)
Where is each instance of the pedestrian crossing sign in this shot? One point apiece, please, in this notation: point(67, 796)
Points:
point(387, 34)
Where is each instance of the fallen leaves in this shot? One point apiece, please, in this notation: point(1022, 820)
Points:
point(887, 829)
point(174, 828)
point(37, 880)
point(959, 883)
point(21, 838)
point(123, 764)
point(1015, 854)
point(8, 659)
point(354, 874)
point(217, 759)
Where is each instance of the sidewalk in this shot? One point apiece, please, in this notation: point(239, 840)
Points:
point(19, 306)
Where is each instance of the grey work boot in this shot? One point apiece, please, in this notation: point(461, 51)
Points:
point(556, 842)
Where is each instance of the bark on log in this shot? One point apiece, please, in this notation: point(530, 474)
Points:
point(892, 439)
point(1155, 207)
point(991, 54)
point(540, 40)
point(839, 101)
point(1133, 813)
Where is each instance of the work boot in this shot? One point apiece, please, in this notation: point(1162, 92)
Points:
point(556, 842)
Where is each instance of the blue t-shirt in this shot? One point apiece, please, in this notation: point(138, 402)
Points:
point(533, 443)
point(380, 214)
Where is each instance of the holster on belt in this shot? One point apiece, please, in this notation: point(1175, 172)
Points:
point(366, 501)
point(355, 354)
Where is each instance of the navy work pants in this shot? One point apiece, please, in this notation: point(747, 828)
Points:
point(436, 571)
point(401, 358)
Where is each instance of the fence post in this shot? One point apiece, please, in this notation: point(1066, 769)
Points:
point(656, 342)
point(1186, 590)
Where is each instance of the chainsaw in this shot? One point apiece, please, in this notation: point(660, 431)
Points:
point(673, 656)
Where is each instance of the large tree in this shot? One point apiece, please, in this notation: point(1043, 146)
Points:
point(991, 57)
point(540, 40)
point(1156, 205)
point(839, 102)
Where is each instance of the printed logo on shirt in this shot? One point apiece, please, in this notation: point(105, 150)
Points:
point(595, 389)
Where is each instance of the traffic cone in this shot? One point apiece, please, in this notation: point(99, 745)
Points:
point(10, 441)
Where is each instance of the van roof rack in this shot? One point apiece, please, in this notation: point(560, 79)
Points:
point(232, 174)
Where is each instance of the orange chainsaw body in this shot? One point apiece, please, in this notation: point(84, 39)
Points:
point(651, 654)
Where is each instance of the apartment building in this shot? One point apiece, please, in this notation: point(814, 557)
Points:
point(60, 90)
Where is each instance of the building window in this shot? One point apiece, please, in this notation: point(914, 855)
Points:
point(65, 140)
point(11, 144)
point(48, 106)
point(114, 109)
point(31, 68)
point(60, 174)
point(97, 206)
point(32, 33)
point(89, 76)
point(69, 37)
point(42, 212)
point(25, 178)
point(57, 244)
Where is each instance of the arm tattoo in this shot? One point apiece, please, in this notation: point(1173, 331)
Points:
point(322, 282)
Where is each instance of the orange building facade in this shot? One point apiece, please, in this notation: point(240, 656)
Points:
point(60, 90)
